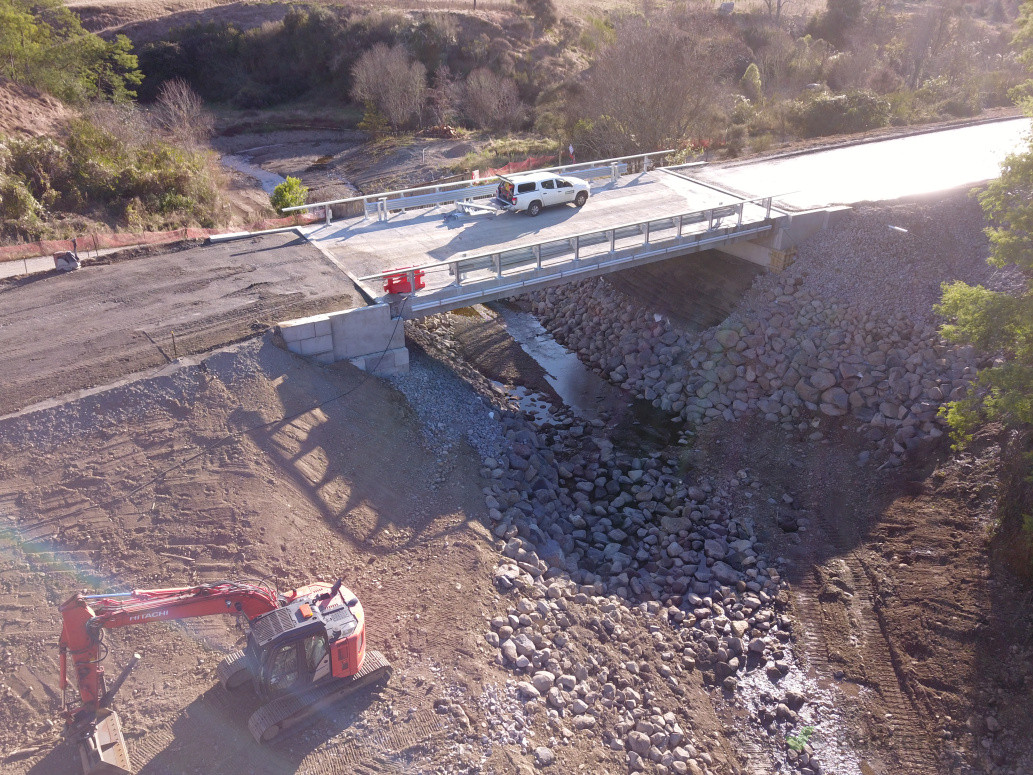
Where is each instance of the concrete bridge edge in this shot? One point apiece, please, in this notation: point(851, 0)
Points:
point(370, 338)
point(776, 249)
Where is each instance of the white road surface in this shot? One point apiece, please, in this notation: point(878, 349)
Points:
point(882, 170)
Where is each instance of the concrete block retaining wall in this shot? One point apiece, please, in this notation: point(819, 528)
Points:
point(368, 337)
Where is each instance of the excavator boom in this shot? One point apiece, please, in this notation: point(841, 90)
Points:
point(83, 616)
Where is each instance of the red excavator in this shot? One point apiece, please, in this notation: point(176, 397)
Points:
point(306, 649)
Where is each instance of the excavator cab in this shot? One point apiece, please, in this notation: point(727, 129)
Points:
point(317, 635)
point(294, 665)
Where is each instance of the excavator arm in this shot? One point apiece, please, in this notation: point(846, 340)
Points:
point(84, 616)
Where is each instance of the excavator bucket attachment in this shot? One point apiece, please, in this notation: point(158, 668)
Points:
point(103, 750)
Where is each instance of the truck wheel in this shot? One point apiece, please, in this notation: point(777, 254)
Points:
point(534, 208)
point(580, 199)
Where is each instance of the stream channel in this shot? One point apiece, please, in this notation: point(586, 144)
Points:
point(635, 422)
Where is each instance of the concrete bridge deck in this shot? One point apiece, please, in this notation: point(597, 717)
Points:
point(470, 258)
point(415, 238)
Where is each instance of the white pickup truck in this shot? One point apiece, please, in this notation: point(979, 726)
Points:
point(535, 190)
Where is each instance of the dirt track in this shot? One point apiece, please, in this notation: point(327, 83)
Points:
point(116, 316)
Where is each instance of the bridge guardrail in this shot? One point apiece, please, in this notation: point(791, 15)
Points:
point(383, 203)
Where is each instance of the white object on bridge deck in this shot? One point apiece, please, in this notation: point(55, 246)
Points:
point(467, 207)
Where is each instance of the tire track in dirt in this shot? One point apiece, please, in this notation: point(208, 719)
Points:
point(386, 750)
point(842, 589)
point(756, 756)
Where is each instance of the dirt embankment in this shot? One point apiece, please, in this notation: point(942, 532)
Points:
point(24, 112)
point(141, 487)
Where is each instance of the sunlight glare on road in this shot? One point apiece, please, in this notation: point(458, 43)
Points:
point(884, 170)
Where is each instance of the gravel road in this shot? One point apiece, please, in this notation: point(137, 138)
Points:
point(65, 332)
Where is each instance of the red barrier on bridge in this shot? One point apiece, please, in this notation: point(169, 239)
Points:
point(399, 283)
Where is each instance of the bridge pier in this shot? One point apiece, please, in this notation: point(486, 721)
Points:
point(370, 338)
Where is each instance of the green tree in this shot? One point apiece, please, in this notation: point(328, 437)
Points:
point(996, 322)
point(42, 44)
point(290, 193)
point(373, 121)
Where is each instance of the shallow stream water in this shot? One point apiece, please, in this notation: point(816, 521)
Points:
point(633, 422)
point(269, 180)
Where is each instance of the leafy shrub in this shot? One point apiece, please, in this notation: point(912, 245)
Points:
point(800, 741)
point(148, 184)
point(290, 193)
point(742, 111)
point(828, 114)
point(749, 84)
point(835, 24)
point(735, 139)
point(43, 44)
point(949, 98)
point(20, 213)
point(544, 12)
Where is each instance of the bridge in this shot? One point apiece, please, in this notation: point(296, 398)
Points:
point(445, 247)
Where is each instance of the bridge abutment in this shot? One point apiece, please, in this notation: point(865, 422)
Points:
point(370, 338)
point(776, 249)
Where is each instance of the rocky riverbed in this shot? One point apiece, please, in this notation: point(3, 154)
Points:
point(848, 329)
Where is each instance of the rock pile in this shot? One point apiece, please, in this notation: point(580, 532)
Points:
point(599, 546)
point(787, 356)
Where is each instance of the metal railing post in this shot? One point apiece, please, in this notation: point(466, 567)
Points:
point(577, 248)
point(710, 220)
point(613, 240)
point(742, 207)
point(497, 261)
point(767, 207)
point(679, 227)
point(329, 211)
point(455, 271)
point(538, 255)
point(411, 277)
point(645, 163)
point(382, 209)
point(613, 173)
point(646, 235)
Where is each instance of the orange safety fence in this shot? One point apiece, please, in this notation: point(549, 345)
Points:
point(92, 242)
point(521, 166)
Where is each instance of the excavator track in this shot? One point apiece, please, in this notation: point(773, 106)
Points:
point(272, 720)
point(233, 670)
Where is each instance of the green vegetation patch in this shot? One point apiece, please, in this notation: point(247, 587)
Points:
point(42, 44)
point(150, 185)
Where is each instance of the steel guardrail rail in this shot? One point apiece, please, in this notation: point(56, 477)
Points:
point(457, 186)
point(453, 296)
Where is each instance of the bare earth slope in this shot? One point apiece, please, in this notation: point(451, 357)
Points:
point(313, 497)
point(25, 112)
